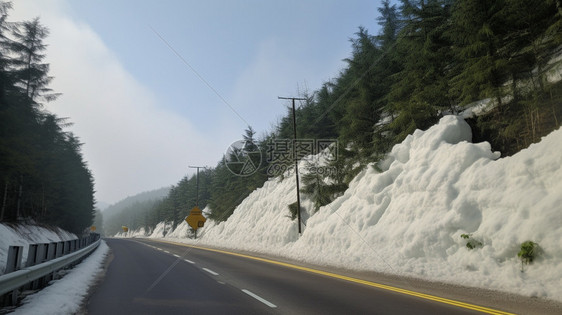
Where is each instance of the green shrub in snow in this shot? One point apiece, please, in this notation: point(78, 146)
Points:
point(471, 242)
point(528, 252)
point(293, 209)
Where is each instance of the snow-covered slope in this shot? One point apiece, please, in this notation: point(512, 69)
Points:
point(66, 295)
point(435, 186)
point(62, 296)
point(23, 235)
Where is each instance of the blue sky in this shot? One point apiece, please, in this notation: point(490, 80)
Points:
point(144, 115)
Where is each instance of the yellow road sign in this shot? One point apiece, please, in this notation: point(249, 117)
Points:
point(125, 229)
point(195, 219)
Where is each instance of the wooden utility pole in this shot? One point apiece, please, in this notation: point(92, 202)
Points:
point(196, 209)
point(197, 181)
point(295, 156)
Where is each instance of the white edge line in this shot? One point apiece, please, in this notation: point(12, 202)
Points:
point(259, 298)
point(166, 252)
point(210, 271)
point(189, 261)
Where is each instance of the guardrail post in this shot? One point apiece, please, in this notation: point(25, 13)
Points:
point(31, 261)
point(60, 249)
point(31, 255)
point(41, 253)
point(51, 253)
point(40, 257)
point(13, 263)
point(59, 252)
point(66, 247)
point(14, 259)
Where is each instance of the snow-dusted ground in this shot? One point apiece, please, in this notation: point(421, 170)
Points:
point(62, 296)
point(65, 296)
point(408, 219)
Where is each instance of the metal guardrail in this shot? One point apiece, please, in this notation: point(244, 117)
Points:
point(48, 258)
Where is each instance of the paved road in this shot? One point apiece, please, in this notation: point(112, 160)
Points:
point(161, 278)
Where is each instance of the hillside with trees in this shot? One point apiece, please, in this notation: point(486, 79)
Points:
point(430, 58)
point(131, 211)
point(43, 176)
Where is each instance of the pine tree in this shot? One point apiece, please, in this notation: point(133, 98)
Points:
point(42, 172)
point(362, 109)
point(323, 182)
point(389, 20)
point(419, 92)
point(31, 74)
point(4, 58)
point(477, 33)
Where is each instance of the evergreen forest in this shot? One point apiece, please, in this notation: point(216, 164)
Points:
point(43, 177)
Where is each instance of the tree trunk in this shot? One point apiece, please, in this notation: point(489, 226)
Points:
point(553, 110)
point(4, 202)
point(19, 199)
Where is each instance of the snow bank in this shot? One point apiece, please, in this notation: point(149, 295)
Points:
point(64, 296)
point(408, 220)
point(436, 186)
point(23, 235)
point(136, 233)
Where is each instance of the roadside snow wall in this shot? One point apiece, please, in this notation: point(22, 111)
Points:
point(408, 219)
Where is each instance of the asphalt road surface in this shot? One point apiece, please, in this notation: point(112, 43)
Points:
point(150, 277)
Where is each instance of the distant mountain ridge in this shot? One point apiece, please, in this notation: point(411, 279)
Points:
point(138, 198)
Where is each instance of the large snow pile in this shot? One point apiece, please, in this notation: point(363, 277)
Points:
point(408, 219)
point(23, 235)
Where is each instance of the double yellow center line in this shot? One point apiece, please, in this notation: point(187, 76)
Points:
point(355, 280)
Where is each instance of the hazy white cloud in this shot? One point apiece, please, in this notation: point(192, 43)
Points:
point(131, 144)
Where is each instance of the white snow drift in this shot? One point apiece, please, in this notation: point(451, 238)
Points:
point(435, 186)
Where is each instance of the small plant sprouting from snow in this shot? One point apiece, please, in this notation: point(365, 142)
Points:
point(529, 251)
point(471, 242)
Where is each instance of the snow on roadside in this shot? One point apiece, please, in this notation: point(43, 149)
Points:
point(64, 296)
point(23, 235)
point(408, 220)
point(132, 233)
